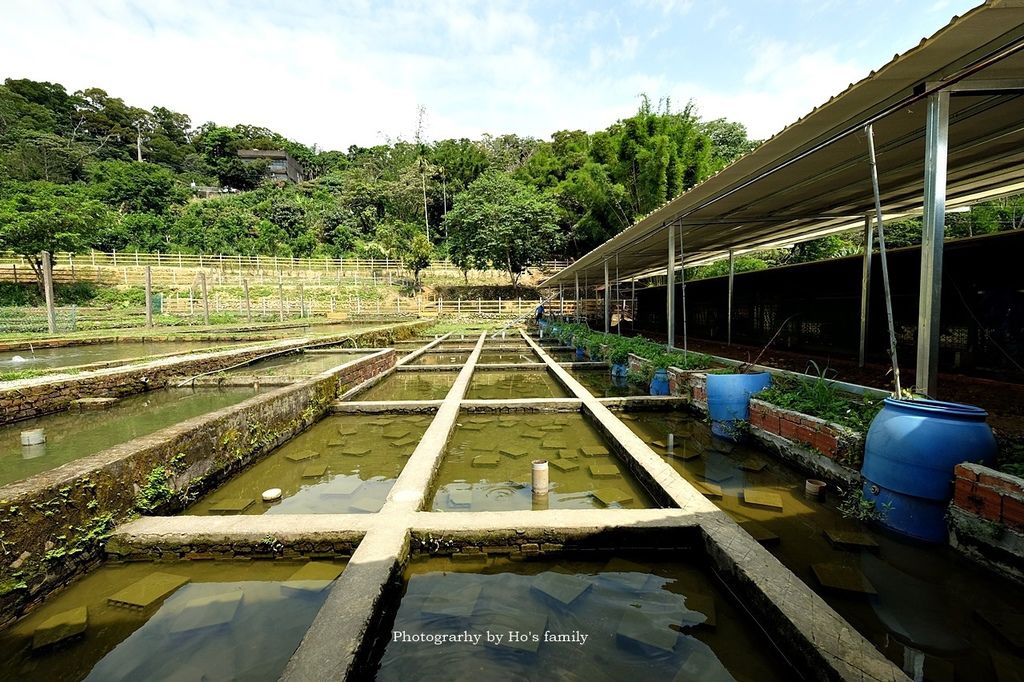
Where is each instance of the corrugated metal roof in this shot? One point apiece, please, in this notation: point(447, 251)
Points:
point(812, 178)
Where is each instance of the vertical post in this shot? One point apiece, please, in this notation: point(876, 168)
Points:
point(280, 298)
point(561, 302)
point(576, 308)
point(248, 308)
point(149, 295)
point(670, 289)
point(682, 289)
point(936, 137)
point(865, 289)
point(607, 300)
point(51, 313)
point(206, 299)
point(728, 309)
point(302, 302)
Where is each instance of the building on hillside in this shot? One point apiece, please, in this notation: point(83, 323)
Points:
point(282, 166)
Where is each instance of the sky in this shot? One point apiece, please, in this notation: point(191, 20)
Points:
point(350, 72)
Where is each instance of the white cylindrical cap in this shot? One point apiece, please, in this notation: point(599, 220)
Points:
point(540, 477)
point(272, 495)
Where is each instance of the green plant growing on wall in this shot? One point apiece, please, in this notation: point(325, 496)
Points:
point(819, 397)
point(156, 490)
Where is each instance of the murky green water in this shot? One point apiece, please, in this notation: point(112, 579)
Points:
point(493, 357)
point(73, 435)
point(563, 355)
point(433, 358)
point(70, 356)
point(296, 364)
point(229, 621)
point(929, 599)
point(411, 386)
point(499, 385)
point(343, 464)
point(487, 466)
point(653, 620)
point(601, 383)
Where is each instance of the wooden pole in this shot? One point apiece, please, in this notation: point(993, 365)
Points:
point(206, 299)
point(149, 296)
point(248, 309)
point(280, 297)
point(302, 302)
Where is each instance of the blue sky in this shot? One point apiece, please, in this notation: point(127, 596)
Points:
point(354, 72)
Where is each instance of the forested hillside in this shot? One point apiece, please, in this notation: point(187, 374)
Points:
point(70, 179)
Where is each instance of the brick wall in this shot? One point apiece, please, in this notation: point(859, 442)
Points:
point(990, 494)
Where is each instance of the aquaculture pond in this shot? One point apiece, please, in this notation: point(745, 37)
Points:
point(923, 606)
point(75, 434)
point(563, 355)
point(505, 385)
point(493, 357)
point(343, 464)
point(616, 618)
point(487, 466)
point(70, 356)
point(200, 620)
point(297, 364)
point(432, 357)
point(602, 384)
point(410, 386)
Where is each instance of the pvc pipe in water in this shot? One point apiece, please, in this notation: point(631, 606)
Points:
point(814, 488)
point(540, 477)
point(33, 437)
point(671, 442)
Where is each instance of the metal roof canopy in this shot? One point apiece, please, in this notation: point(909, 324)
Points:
point(813, 178)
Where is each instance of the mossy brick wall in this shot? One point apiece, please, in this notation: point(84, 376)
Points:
point(52, 526)
point(34, 397)
point(827, 438)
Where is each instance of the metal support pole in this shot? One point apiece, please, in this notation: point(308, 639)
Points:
point(206, 299)
point(682, 290)
point(280, 299)
point(670, 289)
point(576, 309)
point(149, 296)
point(51, 313)
point(728, 309)
point(865, 288)
point(936, 139)
point(607, 301)
point(302, 302)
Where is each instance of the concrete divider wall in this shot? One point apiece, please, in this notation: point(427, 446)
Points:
point(42, 395)
point(986, 518)
point(53, 524)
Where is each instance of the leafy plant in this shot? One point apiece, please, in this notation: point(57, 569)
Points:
point(853, 505)
point(820, 398)
point(156, 491)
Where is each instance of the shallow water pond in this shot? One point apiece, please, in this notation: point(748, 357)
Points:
point(70, 356)
point(410, 386)
point(487, 466)
point(343, 464)
point(906, 598)
point(296, 364)
point(441, 358)
point(612, 619)
point(210, 620)
point(490, 385)
point(493, 357)
point(76, 434)
point(602, 384)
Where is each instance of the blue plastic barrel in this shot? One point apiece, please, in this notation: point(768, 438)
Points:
point(729, 400)
point(659, 383)
point(619, 369)
point(581, 353)
point(910, 452)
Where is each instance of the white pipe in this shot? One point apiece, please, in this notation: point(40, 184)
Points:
point(540, 477)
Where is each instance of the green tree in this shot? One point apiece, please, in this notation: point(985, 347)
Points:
point(418, 256)
point(135, 187)
point(504, 222)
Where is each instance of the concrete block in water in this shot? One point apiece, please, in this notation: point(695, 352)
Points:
point(396, 433)
point(86, 404)
point(486, 461)
point(347, 430)
point(355, 450)
point(753, 465)
point(604, 471)
point(460, 495)
point(569, 453)
point(684, 453)
point(532, 434)
point(301, 456)
point(636, 628)
point(850, 539)
point(207, 612)
point(760, 533)
point(153, 588)
point(594, 451)
point(564, 465)
point(712, 491)
point(763, 498)
point(843, 578)
point(627, 574)
point(554, 444)
point(342, 486)
point(610, 496)
point(405, 442)
point(231, 505)
point(471, 427)
point(513, 451)
point(312, 577)
point(702, 664)
point(563, 588)
point(60, 627)
point(458, 603)
point(314, 471)
point(516, 621)
point(551, 427)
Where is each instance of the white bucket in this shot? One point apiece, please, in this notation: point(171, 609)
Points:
point(33, 437)
point(814, 488)
point(272, 495)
